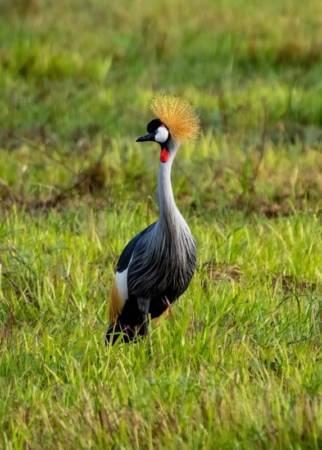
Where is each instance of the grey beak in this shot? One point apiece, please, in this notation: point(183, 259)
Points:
point(147, 137)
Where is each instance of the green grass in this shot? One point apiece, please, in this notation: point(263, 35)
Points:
point(237, 365)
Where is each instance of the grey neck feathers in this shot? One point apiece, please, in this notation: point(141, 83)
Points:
point(167, 205)
point(171, 219)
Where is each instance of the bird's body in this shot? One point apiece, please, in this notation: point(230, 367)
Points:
point(157, 265)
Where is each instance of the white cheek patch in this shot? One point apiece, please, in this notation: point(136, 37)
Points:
point(162, 134)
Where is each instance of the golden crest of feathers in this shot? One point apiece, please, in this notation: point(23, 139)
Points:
point(177, 115)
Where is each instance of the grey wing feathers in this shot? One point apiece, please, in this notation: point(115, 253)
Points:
point(127, 253)
point(161, 265)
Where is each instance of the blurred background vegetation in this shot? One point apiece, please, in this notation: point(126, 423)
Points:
point(79, 75)
point(88, 67)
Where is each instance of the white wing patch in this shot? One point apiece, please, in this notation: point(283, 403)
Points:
point(121, 284)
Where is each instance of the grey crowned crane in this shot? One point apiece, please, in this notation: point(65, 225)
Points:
point(157, 265)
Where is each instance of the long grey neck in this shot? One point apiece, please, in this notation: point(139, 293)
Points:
point(169, 213)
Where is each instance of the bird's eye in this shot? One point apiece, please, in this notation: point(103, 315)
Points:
point(161, 134)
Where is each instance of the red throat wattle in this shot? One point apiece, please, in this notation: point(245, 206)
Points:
point(164, 155)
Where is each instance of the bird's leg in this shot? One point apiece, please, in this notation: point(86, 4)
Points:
point(143, 304)
point(144, 307)
point(168, 310)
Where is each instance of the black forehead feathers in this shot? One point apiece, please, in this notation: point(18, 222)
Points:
point(153, 125)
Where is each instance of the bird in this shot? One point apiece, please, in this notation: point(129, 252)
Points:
point(157, 265)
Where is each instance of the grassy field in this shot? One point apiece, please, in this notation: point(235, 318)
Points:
point(237, 365)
